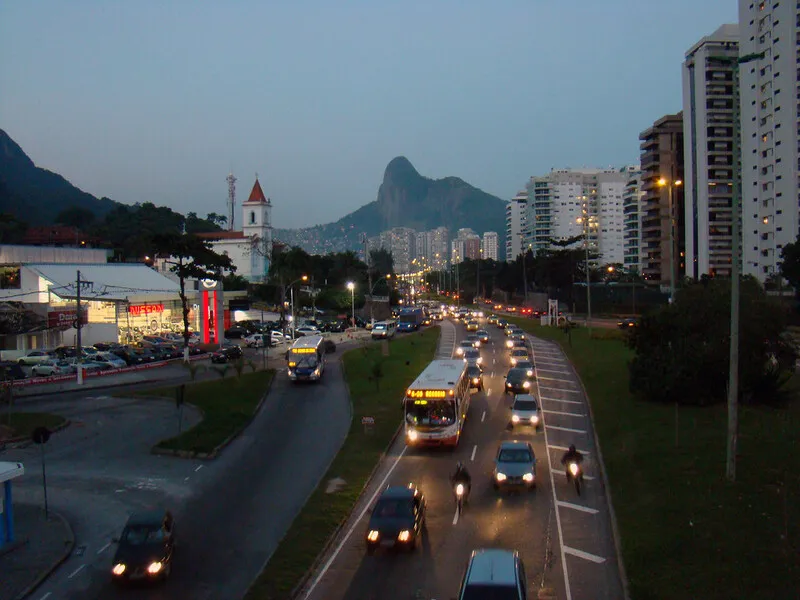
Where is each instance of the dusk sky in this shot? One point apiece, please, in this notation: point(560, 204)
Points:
point(158, 101)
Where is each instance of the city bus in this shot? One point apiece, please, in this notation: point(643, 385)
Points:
point(436, 404)
point(306, 358)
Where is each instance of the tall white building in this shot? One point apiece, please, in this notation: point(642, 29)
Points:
point(770, 118)
point(516, 224)
point(709, 94)
point(489, 245)
point(438, 247)
point(632, 223)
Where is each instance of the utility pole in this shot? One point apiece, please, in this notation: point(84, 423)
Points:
point(78, 341)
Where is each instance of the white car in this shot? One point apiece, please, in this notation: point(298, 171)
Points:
point(111, 359)
point(34, 357)
point(278, 337)
point(307, 330)
point(254, 340)
point(47, 368)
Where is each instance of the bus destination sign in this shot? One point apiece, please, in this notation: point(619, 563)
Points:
point(427, 394)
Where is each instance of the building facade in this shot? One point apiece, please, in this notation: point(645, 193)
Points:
point(770, 124)
point(489, 245)
point(632, 224)
point(709, 97)
point(516, 225)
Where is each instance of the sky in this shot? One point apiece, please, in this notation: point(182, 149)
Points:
point(152, 101)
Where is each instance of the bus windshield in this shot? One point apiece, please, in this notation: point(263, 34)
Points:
point(436, 414)
point(304, 360)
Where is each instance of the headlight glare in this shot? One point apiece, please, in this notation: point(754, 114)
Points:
point(155, 567)
point(500, 476)
point(372, 536)
point(514, 418)
point(118, 569)
point(526, 385)
point(404, 535)
point(534, 419)
point(412, 435)
point(527, 477)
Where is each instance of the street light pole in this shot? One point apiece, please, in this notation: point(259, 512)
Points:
point(352, 287)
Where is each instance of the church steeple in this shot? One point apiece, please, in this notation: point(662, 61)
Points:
point(257, 194)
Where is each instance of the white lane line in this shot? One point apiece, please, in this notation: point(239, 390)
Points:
point(76, 571)
point(47, 595)
point(494, 361)
point(570, 430)
point(557, 379)
point(474, 450)
point(489, 390)
point(586, 509)
point(564, 473)
point(336, 552)
point(455, 516)
point(483, 416)
point(558, 412)
point(560, 400)
point(555, 501)
point(103, 549)
point(198, 468)
point(185, 479)
point(584, 555)
point(561, 371)
point(552, 389)
point(559, 363)
point(564, 448)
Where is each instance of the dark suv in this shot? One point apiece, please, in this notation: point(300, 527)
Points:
point(226, 354)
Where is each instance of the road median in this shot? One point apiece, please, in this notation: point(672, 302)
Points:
point(376, 392)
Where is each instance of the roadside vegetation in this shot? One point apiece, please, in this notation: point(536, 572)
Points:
point(228, 405)
point(21, 424)
point(375, 392)
point(686, 531)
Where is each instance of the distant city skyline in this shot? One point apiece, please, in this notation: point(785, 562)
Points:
point(159, 103)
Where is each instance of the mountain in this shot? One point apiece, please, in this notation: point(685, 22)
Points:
point(407, 199)
point(37, 195)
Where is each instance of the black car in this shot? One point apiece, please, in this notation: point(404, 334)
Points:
point(145, 548)
point(226, 353)
point(528, 366)
point(626, 323)
point(397, 519)
point(475, 377)
point(236, 332)
point(11, 370)
point(518, 382)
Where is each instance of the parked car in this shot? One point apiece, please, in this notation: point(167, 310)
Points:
point(114, 361)
point(256, 340)
point(514, 466)
point(226, 354)
point(34, 357)
point(278, 337)
point(397, 519)
point(10, 370)
point(48, 368)
point(307, 330)
point(236, 332)
point(145, 548)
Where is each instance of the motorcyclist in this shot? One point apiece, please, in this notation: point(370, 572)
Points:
point(462, 476)
point(571, 455)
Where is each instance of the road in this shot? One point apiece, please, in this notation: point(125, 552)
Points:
point(230, 513)
point(565, 541)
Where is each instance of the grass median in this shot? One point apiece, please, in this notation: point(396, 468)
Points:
point(686, 531)
point(21, 424)
point(228, 405)
point(361, 451)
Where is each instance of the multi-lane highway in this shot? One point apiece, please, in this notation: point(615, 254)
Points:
point(565, 541)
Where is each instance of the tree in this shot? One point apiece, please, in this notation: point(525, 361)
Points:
point(790, 264)
point(381, 262)
point(12, 230)
point(79, 218)
point(682, 350)
point(192, 258)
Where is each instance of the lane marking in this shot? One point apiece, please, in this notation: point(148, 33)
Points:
point(455, 517)
point(76, 571)
point(562, 371)
point(584, 555)
point(552, 389)
point(494, 361)
point(564, 473)
point(566, 429)
point(185, 479)
point(558, 379)
point(350, 531)
point(198, 468)
point(489, 390)
point(564, 448)
point(103, 549)
point(483, 416)
point(47, 595)
point(560, 400)
point(586, 509)
point(558, 412)
point(553, 362)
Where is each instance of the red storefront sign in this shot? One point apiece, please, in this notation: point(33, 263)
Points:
point(65, 318)
point(145, 309)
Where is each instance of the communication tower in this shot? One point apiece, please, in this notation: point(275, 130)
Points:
point(231, 199)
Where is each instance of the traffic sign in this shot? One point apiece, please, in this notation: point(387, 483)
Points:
point(368, 420)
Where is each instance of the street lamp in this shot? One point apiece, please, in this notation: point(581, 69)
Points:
point(352, 287)
point(585, 221)
point(291, 294)
point(662, 181)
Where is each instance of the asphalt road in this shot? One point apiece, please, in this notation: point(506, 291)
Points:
point(565, 541)
point(230, 513)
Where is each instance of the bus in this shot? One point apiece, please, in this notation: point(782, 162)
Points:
point(384, 329)
point(410, 319)
point(436, 404)
point(306, 358)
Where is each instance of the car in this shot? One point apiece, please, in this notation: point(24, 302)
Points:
point(473, 326)
point(48, 368)
point(10, 370)
point(494, 573)
point(476, 341)
point(530, 368)
point(34, 357)
point(514, 466)
point(627, 323)
point(518, 354)
point(512, 329)
point(114, 361)
point(236, 332)
point(427, 321)
point(226, 353)
point(307, 330)
point(278, 337)
point(145, 548)
point(515, 337)
point(255, 340)
point(525, 411)
point(397, 519)
point(463, 347)
point(475, 377)
point(502, 323)
point(517, 381)
point(492, 320)
point(483, 336)
point(473, 355)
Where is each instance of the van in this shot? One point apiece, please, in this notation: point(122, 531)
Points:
point(494, 573)
point(384, 330)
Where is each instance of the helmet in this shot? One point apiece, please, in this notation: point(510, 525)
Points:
point(572, 447)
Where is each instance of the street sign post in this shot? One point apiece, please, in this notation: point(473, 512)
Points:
point(40, 436)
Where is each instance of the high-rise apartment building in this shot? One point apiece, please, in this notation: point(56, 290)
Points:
point(632, 224)
point(467, 244)
point(516, 224)
point(489, 245)
point(662, 158)
point(709, 96)
point(438, 247)
point(770, 119)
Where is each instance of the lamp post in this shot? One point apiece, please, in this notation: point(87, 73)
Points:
point(584, 221)
point(291, 295)
point(670, 184)
point(352, 287)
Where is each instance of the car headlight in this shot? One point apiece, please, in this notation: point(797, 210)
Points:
point(480, 360)
point(477, 343)
point(372, 536)
point(404, 535)
point(500, 476)
point(474, 380)
point(509, 343)
point(412, 435)
point(155, 567)
point(515, 418)
point(526, 385)
point(514, 361)
point(508, 385)
point(527, 477)
point(534, 419)
point(529, 373)
point(118, 569)
point(460, 352)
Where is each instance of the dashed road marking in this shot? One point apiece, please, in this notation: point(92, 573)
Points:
point(558, 412)
point(483, 416)
point(103, 549)
point(569, 429)
point(584, 555)
point(586, 509)
point(455, 516)
point(46, 596)
point(198, 468)
point(76, 571)
point(474, 450)
point(489, 390)
point(560, 400)
point(552, 389)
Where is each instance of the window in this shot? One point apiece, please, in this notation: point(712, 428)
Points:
point(252, 217)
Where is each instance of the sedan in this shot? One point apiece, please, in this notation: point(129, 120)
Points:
point(34, 357)
point(518, 382)
point(525, 411)
point(475, 377)
point(626, 323)
point(473, 355)
point(530, 369)
point(48, 368)
point(145, 548)
point(226, 353)
point(112, 360)
point(514, 466)
point(463, 347)
point(472, 326)
point(397, 519)
point(483, 336)
point(518, 354)
point(476, 341)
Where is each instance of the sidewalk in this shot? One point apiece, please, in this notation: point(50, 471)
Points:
point(42, 544)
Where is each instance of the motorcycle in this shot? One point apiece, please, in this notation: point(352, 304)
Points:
point(460, 490)
point(576, 474)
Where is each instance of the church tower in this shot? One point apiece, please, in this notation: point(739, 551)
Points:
point(257, 226)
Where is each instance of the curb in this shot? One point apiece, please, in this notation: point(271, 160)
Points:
point(24, 438)
point(69, 547)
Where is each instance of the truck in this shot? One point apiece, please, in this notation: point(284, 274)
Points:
point(410, 319)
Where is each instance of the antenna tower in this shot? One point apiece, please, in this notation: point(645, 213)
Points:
point(231, 199)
